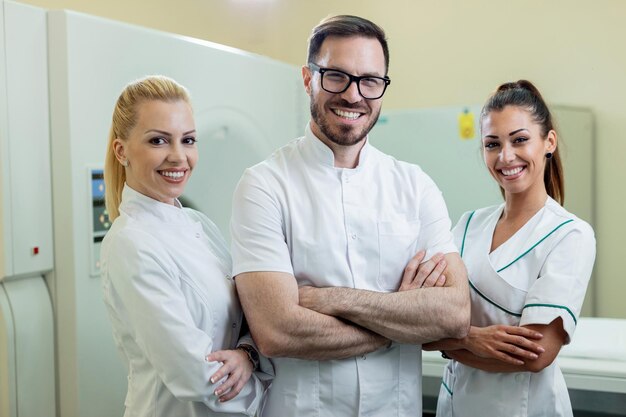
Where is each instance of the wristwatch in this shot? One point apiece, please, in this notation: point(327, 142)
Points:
point(253, 355)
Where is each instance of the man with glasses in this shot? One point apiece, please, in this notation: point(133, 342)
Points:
point(322, 232)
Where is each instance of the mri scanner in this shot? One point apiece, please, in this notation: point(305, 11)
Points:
point(60, 74)
point(26, 249)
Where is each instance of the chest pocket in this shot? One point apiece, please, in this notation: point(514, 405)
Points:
point(397, 244)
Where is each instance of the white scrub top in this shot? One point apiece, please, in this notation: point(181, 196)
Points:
point(539, 274)
point(171, 300)
point(355, 228)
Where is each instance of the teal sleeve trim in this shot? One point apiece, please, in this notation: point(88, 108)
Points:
point(465, 232)
point(535, 245)
point(554, 306)
point(446, 387)
point(491, 302)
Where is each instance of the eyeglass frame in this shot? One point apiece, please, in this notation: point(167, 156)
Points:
point(352, 79)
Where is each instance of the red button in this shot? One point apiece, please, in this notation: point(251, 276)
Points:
point(36, 250)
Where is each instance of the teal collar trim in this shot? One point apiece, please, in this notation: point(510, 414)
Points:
point(446, 387)
point(491, 302)
point(554, 306)
point(465, 232)
point(535, 245)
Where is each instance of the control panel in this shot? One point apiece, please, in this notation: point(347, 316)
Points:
point(100, 217)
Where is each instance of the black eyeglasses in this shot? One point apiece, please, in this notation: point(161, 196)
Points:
point(336, 82)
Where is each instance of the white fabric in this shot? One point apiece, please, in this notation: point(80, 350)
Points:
point(171, 300)
point(543, 274)
point(356, 228)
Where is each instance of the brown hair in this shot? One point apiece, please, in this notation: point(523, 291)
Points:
point(345, 26)
point(524, 94)
point(154, 87)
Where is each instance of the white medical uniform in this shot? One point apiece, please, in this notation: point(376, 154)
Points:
point(539, 274)
point(355, 228)
point(171, 300)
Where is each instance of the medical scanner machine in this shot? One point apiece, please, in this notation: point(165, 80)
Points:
point(60, 74)
point(27, 361)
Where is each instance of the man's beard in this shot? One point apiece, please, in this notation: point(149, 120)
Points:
point(343, 135)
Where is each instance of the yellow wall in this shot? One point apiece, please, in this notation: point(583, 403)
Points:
point(450, 53)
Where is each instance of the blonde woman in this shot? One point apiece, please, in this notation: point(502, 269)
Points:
point(166, 269)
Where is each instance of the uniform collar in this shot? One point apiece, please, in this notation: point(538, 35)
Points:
point(552, 204)
point(142, 207)
point(318, 152)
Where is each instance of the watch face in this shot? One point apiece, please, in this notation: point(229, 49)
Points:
point(253, 355)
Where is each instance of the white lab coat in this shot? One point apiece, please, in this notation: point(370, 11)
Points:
point(357, 228)
point(171, 299)
point(539, 274)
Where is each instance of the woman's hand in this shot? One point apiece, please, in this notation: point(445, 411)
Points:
point(236, 366)
point(509, 344)
point(427, 274)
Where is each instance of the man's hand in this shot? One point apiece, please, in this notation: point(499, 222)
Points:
point(426, 274)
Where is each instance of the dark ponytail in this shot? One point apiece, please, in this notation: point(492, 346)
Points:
point(524, 94)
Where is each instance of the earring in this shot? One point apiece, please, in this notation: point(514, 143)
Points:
point(549, 155)
point(125, 163)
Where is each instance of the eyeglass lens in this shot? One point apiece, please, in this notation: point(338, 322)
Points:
point(338, 82)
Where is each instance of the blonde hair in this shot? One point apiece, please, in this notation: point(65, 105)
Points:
point(154, 87)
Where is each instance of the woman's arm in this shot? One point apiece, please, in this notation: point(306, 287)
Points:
point(145, 298)
point(510, 344)
point(502, 348)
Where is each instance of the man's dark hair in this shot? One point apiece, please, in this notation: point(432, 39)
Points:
point(345, 26)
